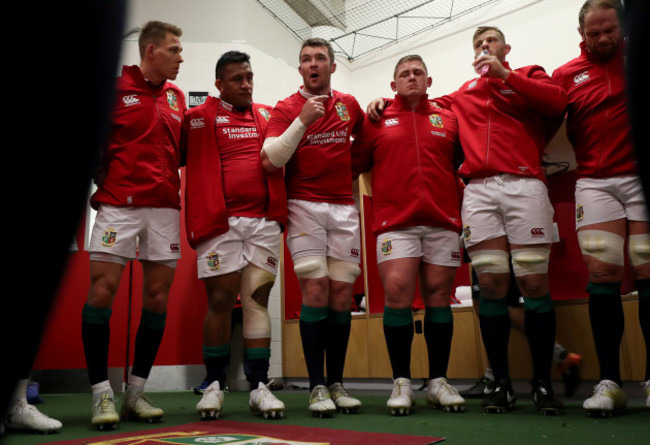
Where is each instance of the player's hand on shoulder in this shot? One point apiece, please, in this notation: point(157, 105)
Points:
point(375, 109)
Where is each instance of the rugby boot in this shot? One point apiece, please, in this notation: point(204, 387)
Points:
point(138, 408)
point(263, 402)
point(105, 415)
point(545, 400)
point(440, 394)
point(344, 402)
point(321, 403)
point(478, 390)
point(26, 417)
point(607, 400)
point(501, 400)
point(211, 403)
point(402, 398)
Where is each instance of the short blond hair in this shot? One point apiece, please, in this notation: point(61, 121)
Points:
point(481, 29)
point(409, 58)
point(154, 32)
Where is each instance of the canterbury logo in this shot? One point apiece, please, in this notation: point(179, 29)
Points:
point(197, 122)
point(537, 231)
point(580, 78)
point(455, 255)
point(223, 120)
point(391, 122)
point(130, 100)
point(174, 247)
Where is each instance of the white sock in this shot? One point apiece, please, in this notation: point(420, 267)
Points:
point(489, 374)
point(135, 386)
point(100, 388)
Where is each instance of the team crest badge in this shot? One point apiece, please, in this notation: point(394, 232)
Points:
point(265, 113)
point(436, 121)
point(580, 213)
point(213, 261)
point(467, 233)
point(108, 239)
point(342, 111)
point(172, 100)
point(386, 247)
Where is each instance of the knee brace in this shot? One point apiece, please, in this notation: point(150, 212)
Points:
point(605, 246)
point(490, 261)
point(345, 271)
point(314, 266)
point(530, 261)
point(639, 249)
point(257, 323)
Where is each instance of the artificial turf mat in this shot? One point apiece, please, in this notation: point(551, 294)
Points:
point(521, 426)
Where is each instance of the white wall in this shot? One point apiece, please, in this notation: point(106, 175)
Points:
point(540, 31)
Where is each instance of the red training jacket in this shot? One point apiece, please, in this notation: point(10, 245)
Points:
point(413, 156)
point(503, 123)
point(597, 118)
point(206, 215)
point(143, 155)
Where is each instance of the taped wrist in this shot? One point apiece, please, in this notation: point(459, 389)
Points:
point(279, 150)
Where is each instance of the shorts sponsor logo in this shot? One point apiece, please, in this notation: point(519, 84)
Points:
point(537, 232)
point(436, 121)
point(265, 113)
point(109, 237)
point(131, 99)
point(213, 261)
point(507, 91)
point(581, 78)
point(391, 122)
point(271, 261)
point(386, 247)
point(174, 247)
point(467, 233)
point(580, 212)
point(354, 252)
point(172, 100)
point(196, 123)
point(342, 111)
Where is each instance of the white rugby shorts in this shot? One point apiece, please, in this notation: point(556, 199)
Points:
point(609, 199)
point(433, 244)
point(145, 233)
point(517, 207)
point(323, 229)
point(249, 240)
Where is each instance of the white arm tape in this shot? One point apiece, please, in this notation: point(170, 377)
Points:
point(279, 150)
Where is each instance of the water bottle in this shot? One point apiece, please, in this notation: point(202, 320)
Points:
point(485, 68)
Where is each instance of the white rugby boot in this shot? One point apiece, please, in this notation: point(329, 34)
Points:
point(440, 394)
point(646, 386)
point(211, 403)
point(138, 408)
point(344, 402)
point(105, 415)
point(262, 401)
point(607, 400)
point(402, 398)
point(321, 403)
point(23, 416)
